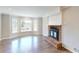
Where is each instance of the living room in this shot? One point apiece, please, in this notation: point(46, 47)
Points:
point(39, 29)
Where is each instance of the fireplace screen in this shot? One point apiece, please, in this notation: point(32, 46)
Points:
point(54, 33)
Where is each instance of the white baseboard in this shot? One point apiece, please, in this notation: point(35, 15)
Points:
point(70, 49)
point(15, 36)
point(4, 38)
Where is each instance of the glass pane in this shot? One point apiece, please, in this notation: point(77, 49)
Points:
point(35, 25)
point(55, 34)
point(51, 33)
point(14, 25)
point(26, 25)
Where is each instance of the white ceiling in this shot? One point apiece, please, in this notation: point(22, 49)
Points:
point(32, 11)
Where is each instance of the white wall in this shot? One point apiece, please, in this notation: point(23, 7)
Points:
point(70, 28)
point(30, 11)
point(45, 26)
point(5, 26)
point(55, 19)
point(0, 26)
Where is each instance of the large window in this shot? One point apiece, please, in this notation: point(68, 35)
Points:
point(14, 25)
point(35, 25)
point(24, 24)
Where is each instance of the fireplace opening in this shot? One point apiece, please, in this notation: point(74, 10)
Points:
point(54, 33)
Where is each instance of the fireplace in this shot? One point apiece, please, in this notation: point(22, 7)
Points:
point(54, 33)
point(55, 36)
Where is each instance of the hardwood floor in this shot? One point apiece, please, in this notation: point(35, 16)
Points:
point(28, 44)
